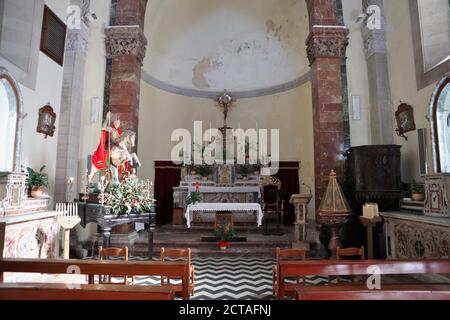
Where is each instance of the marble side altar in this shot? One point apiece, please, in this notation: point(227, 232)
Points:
point(31, 229)
point(415, 236)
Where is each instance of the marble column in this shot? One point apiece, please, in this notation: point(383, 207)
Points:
point(125, 47)
point(382, 128)
point(326, 47)
point(70, 112)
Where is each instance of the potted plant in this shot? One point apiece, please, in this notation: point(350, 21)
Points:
point(204, 171)
point(37, 181)
point(417, 191)
point(244, 171)
point(195, 196)
point(256, 170)
point(225, 234)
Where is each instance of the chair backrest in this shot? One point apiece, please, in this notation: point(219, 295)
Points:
point(350, 253)
point(270, 191)
point(104, 253)
point(290, 254)
point(176, 254)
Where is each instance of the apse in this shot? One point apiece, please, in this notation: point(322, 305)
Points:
point(234, 45)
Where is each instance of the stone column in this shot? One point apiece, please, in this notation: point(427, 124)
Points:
point(326, 47)
point(70, 113)
point(125, 47)
point(382, 128)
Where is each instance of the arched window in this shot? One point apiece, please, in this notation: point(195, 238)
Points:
point(440, 125)
point(11, 111)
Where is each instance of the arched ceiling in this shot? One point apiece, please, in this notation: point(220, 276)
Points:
point(212, 45)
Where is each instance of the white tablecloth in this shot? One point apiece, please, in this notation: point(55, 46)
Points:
point(213, 207)
point(237, 189)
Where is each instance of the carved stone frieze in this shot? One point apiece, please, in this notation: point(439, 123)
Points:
point(125, 40)
point(327, 42)
point(418, 241)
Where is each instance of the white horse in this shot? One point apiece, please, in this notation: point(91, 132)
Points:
point(119, 156)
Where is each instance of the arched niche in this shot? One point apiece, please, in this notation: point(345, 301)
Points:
point(11, 111)
point(439, 116)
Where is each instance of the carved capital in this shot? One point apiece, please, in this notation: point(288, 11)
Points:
point(327, 42)
point(77, 40)
point(374, 40)
point(125, 40)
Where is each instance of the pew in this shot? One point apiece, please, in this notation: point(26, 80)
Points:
point(97, 267)
point(386, 292)
point(352, 268)
point(2, 238)
point(59, 291)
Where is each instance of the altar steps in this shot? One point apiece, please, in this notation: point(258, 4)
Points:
point(257, 244)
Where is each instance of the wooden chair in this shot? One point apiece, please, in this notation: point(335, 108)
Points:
point(272, 203)
point(177, 254)
point(349, 253)
point(287, 254)
point(104, 253)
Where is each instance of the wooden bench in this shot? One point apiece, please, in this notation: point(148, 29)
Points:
point(288, 269)
point(387, 292)
point(97, 267)
point(59, 291)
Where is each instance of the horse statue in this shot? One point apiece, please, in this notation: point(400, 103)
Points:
point(120, 159)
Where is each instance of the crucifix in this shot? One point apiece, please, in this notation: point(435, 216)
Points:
point(225, 101)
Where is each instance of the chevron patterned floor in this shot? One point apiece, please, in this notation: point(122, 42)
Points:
point(231, 278)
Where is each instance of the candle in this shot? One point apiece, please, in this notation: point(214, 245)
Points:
point(196, 186)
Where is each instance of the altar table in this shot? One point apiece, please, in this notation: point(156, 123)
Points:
point(215, 207)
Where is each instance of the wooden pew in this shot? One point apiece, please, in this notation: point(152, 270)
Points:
point(387, 292)
point(96, 267)
point(59, 291)
point(2, 238)
point(351, 268)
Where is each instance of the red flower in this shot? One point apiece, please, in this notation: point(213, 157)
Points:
point(223, 243)
point(196, 186)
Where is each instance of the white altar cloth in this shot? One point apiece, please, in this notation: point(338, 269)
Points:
point(213, 207)
point(235, 189)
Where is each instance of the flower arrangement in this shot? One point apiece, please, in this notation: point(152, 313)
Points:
point(225, 233)
point(195, 197)
point(129, 197)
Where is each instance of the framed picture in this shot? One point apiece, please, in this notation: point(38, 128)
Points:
point(46, 121)
point(405, 120)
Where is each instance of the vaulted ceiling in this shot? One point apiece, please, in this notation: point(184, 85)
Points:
point(235, 45)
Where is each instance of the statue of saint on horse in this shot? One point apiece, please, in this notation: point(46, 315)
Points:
point(112, 154)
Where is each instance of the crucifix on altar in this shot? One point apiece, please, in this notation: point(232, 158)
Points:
point(225, 102)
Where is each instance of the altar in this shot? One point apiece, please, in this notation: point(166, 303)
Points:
point(245, 208)
point(243, 191)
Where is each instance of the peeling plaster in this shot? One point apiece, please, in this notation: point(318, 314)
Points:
point(230, 45)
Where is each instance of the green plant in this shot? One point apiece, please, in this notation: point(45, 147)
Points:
point(225, 233)
point(129, 197)
point(195, 197)
point(244, 170)
point(204, 170)
point(37, 179)
point(417, 187)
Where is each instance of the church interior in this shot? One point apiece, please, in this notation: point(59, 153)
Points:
point(225, 150)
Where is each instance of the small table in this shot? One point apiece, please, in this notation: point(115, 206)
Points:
point(217, 207)
point(103, 217)
point(369, 223)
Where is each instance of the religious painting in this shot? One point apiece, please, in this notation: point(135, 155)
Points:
point(405, 120)
point(46, 121)
point(225, 174)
